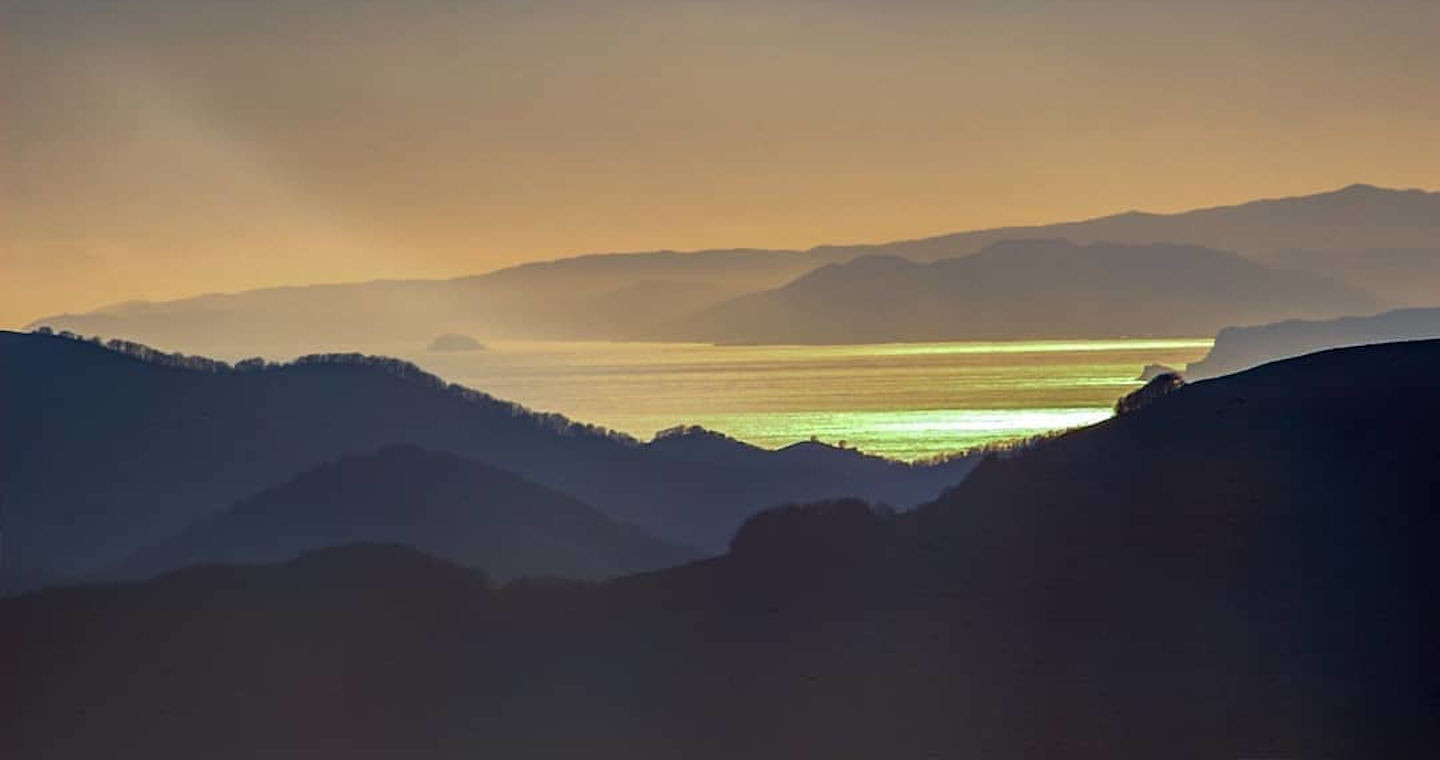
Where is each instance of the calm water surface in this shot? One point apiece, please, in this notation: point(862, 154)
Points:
point(904, 400)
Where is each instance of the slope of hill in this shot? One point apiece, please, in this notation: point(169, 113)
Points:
point(1024, 289)
point(1384, 241)
point(103, 452)
point(850, 467)
point(1242, 568)
point(1353, 218)
point(1402, 276)
point(612, 296)
point(1238, 348)
point(1377, 239)
point(447, 506)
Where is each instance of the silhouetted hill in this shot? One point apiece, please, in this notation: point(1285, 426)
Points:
point(1383, 241)
point(697, 444)
point(1380, 240)
point(1241, 568)
point(1238, 348)
point(1353, 218)
point(611, 296)
point(447, 506)
point(104, 452)
point(851, 467)
point(1254, 548)
point(793, 538)
point(1024, 289)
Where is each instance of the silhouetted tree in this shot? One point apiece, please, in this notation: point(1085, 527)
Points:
point(1158, 387)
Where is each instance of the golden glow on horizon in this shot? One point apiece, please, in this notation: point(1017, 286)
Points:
point(161, 148)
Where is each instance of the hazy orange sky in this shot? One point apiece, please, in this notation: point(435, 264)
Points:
point(161, 148)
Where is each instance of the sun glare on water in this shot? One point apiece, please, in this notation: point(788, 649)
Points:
point(902, 400)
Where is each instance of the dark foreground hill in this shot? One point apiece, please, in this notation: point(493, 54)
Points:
point(1238, 348)
point(1242, 568)
point(103, 452)
point(453, 508)
point(1026, 289)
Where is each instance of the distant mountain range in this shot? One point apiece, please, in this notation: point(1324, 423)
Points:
point(600, 296)
point(1353, 218)
point(1379, 241)
point(1238, 348)
point(453, 508)
point(105, 451)
point(1025, 289)
point(1242, 567)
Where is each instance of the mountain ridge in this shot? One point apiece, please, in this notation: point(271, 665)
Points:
point(447, 506)
point(164, 440)
point(1103, 228)
point(1243, 347)
point(1022, 289)
point(585, 297)
point(1241, 568)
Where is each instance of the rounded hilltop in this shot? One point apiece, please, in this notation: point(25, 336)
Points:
point(455, 342)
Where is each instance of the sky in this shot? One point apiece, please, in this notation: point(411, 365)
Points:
point(154, 149)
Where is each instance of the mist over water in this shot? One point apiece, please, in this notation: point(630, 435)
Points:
point(905, 400)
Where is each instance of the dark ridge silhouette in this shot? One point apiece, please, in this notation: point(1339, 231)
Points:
point(447, 506)
point(695, 443)
point(397, 367)
point(1238, 348)
point(108, 450)
point(1242, 568)
point(1024, 289)
point(823, 533)
point(1377, 239)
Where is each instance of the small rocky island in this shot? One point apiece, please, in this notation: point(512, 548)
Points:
point(455, 342)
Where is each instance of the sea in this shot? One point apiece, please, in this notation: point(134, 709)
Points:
point(901, 400)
